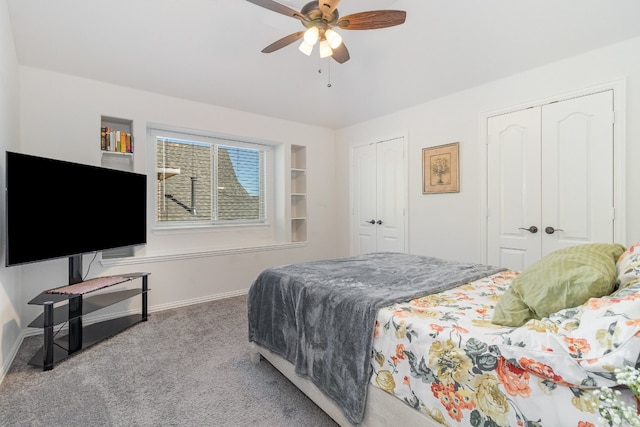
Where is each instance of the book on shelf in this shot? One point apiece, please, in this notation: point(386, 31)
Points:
point(115, 140)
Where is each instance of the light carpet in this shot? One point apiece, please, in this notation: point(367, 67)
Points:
point(188, 366)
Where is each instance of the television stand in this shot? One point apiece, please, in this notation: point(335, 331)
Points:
point(78, 304)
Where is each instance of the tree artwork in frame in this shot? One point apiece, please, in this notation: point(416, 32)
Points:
point(440, 169)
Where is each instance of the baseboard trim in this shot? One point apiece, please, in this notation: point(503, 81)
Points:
point(184, 303)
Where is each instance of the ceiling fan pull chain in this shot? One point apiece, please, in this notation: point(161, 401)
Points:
point(328, 70)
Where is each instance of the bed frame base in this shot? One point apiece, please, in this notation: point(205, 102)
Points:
point(382, 409)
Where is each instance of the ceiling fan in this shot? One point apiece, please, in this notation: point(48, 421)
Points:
point(320, 18)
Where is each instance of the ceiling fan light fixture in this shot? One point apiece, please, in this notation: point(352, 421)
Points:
point(311, 35)
point(333, 38)
point(319, 17)
point(325, 49)
point(306, 48)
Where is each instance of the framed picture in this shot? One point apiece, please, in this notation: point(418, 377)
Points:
point(440, 169)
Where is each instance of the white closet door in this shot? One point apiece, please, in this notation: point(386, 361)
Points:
point(390, 197)
point(577, 171)
point(364, 199)
point(549, 167)
point(379, 201)
point(513, 193)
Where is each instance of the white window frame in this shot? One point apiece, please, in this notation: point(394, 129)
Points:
point(155, 131)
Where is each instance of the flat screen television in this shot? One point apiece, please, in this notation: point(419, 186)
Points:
point(57, 209)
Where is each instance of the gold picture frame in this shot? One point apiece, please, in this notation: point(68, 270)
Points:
point(440, 169)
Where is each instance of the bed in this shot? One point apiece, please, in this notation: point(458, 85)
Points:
point(398, 339)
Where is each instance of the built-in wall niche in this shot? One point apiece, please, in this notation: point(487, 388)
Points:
point(298, 181)
point(298, 193)
point(116, 135)
point(116, 150)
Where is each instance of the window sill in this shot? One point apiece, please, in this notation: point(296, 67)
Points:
point(175, 256)
point(171, 228)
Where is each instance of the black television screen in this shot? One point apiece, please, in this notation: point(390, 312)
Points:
point(58, 209)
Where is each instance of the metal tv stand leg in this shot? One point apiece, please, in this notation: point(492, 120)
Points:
point(47, 350)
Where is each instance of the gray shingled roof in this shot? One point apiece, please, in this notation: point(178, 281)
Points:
point(233, 200)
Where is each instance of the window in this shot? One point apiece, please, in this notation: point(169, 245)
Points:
point(210, 180)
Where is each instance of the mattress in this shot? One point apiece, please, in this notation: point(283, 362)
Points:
point(320, 315)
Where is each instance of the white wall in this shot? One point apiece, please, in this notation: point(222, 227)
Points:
point(10, 295)
point(60, 118)
point(449, 225)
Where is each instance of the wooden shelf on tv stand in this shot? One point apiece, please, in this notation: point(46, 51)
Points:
point(78, 304)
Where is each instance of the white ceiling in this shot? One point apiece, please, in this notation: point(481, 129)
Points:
point(209, 50)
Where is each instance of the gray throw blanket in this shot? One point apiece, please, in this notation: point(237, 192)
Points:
point(320, 315)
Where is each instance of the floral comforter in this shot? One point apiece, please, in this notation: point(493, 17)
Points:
point(442, 356)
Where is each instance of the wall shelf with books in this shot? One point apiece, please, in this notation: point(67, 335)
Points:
point(116, 135)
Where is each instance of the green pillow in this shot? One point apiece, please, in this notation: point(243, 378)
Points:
point(564, 278)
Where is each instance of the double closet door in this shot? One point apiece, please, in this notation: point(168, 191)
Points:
point(550, 179)
point(378, 187)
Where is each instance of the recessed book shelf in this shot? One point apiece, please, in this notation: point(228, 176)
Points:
point(115, 135)
point(298, 193)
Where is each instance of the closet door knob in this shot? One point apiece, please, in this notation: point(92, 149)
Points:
point(533, 229)
point(379, 222)
point(551, 230)
point(373, 221)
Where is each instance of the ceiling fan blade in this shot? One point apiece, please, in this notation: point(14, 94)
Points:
point(372, 20)
point(285, 41)
point(277, 7)
point(341, 54)
point(328, 6)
